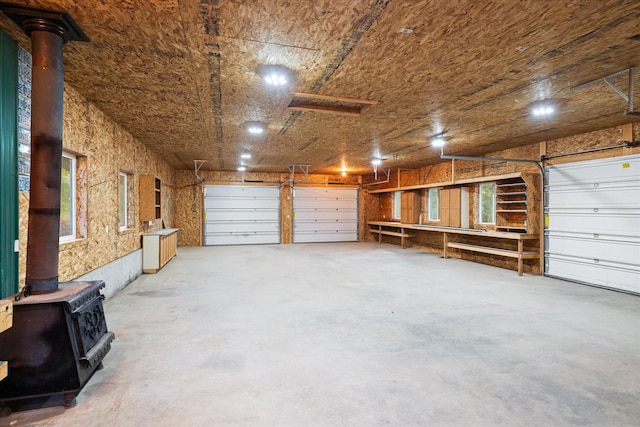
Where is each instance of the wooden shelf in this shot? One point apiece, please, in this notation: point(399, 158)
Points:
point(448, 183)
point(512, 199)
point(150, 198)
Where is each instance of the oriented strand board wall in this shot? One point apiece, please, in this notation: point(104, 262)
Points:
point(104, 149)
point(189, 198)
point(379, 206)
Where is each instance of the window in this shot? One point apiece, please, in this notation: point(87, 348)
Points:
point(434, 204)
point(487, 205)
point(68, 198)
point(397, 205)
point(122, 200)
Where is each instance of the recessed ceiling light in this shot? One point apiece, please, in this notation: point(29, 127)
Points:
point(406, 30)
point(245, 156)
point(255, 129)
point(241, 168)
point(275, 78)
point(438, 141)
point(543, 110)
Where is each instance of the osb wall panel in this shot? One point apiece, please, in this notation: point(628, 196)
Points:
point(103, 149)
point(588, 141)
point(188, 208)
point(286, 214)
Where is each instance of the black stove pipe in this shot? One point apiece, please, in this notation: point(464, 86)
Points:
point(46, 154)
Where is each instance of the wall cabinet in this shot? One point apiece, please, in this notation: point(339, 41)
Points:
point(410, 207)
point(454, 207)
point(150, 198)
point(158, 248)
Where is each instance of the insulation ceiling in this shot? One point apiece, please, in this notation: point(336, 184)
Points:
point(183, 76)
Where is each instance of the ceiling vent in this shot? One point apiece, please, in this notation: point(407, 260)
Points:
point(329, 104)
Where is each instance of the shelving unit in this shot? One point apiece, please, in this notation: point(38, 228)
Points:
point(150, 198)
point(512, 200)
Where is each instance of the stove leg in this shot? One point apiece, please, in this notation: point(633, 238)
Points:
point(69, 400)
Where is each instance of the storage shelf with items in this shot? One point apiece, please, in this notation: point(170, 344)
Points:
point(512, 201)
point(150, 198)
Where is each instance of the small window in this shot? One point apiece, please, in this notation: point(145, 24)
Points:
point(434, 204)
point(122, 200)
point(68, 198)
point(397, 204)
point(487, 205)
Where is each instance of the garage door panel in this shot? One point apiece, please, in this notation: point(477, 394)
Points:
point(240, 239)
point(602, 274)
point(592, 232)
point(306, 203)
point(315, 236)
point(240, 215)
point(611, 198)
point(590, 248)
point(325, 225)
point(237, 215)
point(227, 203)
point(613, 170)
point(241, 227)
point(329, 214)
point(625, 223)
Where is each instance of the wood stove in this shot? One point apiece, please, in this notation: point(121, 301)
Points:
point(59, 335)
point(57, 342)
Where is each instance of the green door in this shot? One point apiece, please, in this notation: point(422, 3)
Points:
point(8, 166)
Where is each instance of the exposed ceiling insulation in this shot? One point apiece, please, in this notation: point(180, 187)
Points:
point(184, 76)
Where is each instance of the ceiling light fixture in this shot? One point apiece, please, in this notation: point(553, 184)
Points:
point(245, 156)
point(255, 129)
point(275, 79)
point(438, 141)
point(242, 168)
point(543, 110)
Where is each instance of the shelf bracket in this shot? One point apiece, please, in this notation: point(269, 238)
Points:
point(303, 168)
point(197, 165)
point(607, 79)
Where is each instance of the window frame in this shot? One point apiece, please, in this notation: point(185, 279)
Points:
point(492, 206)
point(72, 198)
point(431, 217)
point(123, 201)
point(396, 209)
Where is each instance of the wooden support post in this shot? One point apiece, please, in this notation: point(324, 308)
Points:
point(445, 245)
point(627, 136)
point(520, 262)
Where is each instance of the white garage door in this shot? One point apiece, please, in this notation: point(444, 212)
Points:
point(326, 214)
point(239, 215)
point(593, 222)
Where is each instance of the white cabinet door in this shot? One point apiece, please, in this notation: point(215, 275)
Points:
point(325, 214)
point(592, 232)
point(241, 215)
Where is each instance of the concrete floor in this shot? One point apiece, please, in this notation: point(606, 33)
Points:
point(358, 335)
